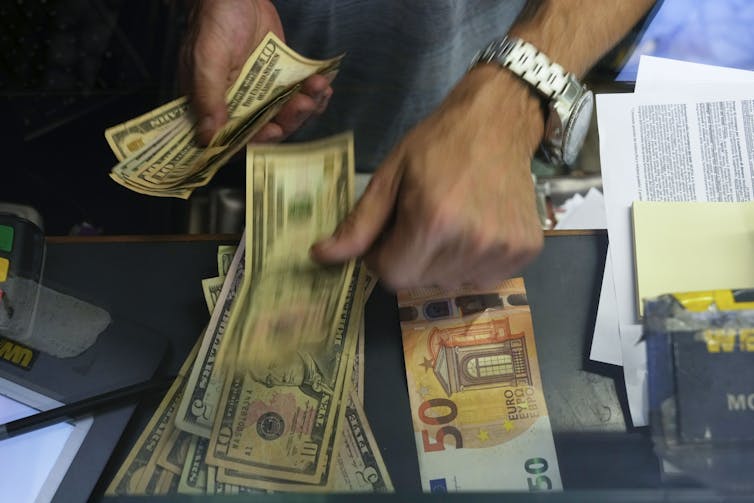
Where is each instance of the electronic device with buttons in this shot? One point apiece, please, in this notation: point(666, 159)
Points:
point(64, 461)
point(22, 256)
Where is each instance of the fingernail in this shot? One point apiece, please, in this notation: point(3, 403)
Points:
point(323, 96)
point(207, 124)
point(326, 243)
point(268, 134)
point(321, 246)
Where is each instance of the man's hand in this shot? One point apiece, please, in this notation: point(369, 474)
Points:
point(222, 35)
point(454, 202)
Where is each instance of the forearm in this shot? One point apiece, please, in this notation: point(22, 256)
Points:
point(576, 33)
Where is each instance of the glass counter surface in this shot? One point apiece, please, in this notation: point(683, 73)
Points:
point(601, 456)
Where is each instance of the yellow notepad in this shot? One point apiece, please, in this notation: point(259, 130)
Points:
point(688, 246)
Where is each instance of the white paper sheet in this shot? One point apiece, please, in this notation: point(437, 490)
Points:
point(589, 213)
point(606, 343)
point(620, 123)
point(660, 73)
point(663, 169)
point(32, 465)
point(654, 75)
point(635, 373)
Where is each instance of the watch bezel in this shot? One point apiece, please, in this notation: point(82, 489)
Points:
point(563, 138)
point(574, 137)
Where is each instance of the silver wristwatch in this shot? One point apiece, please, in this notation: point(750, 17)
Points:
point(569, 102)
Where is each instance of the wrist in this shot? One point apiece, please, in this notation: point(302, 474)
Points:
point(569, 102)
point(514, 104)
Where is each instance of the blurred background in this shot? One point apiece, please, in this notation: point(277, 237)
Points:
point(68, 70)
point(71, 68)
point(714, 32)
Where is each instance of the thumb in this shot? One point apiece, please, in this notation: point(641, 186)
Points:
point(364, 224)
point(211, 71)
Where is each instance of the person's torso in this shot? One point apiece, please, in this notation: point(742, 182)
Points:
point(402, 58)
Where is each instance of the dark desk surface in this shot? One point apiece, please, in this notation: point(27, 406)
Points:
point(156, 281)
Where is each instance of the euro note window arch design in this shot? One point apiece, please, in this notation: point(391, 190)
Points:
point(491, 365)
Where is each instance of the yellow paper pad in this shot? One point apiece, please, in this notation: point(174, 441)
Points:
point(689, 246)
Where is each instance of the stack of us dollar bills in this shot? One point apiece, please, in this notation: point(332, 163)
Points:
point(271, 396)
point(158, 152)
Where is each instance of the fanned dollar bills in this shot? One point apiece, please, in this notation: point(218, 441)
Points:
point(140, 473)
point(270, 399)
point(479, 413)
point(158, 152)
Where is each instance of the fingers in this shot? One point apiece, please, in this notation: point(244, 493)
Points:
point(222, 34)
point(400, 258)
point(270, 132)
point(361, 228)
point(290, 118)
point(415, 253)
point(493, 269)
point(211, 68)
point(403, 264)
point(312, 99)
point(315, 86)
point(322, 100)
point(295, 113)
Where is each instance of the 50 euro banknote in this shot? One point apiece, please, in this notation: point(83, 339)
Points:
point(478, 410)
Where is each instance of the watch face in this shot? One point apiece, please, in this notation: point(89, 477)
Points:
point(577, 127)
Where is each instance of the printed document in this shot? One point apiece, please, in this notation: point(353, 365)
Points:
point(672, 141)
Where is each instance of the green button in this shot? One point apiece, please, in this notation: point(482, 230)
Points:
point(6, 238)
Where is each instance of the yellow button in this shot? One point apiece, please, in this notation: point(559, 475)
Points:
point(4, 266)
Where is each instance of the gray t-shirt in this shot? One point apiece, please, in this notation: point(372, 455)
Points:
point(402, 59)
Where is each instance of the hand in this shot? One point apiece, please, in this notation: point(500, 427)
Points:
point(222, 35)
point(454, 202)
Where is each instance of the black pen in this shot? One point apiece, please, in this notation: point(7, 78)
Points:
point(83, 407)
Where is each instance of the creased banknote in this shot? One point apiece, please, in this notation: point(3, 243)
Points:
point(140, 473)
point(273, 398)
point(477, 405)
point(196, 411)
point(359, 466)
point(290, 343)
point(159, 153)
point(211, 287)
point(280, 415)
